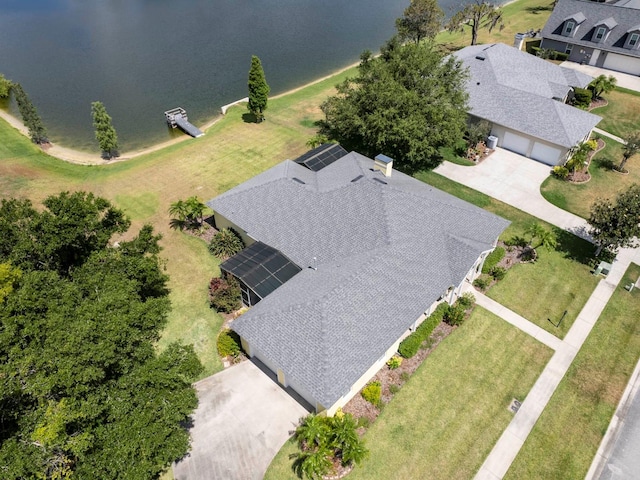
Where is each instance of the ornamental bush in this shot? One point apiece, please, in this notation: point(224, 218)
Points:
point(224, 294)
point(226, 243)
point(394, 362)
point(372, 393)
point(467, 300)
point(498, 273)
point(493, 259)
point(455, 315)
point(582, 97)
point(228, 343)
point(560, 171)
point(410, 345)
point(482, 282)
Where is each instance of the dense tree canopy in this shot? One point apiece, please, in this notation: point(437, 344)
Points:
point(105, 132)
point(477, 15)
point(83, 392)
point(421, 19)
point(258, 89)
point(615, 225)
point(407, 103)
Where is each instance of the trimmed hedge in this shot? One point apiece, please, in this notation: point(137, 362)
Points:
point(410, 345)
point(492, 259)
point(228, 343)
point(548, 53)
point(582, 97)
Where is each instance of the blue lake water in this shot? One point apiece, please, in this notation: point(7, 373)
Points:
point(142, 57)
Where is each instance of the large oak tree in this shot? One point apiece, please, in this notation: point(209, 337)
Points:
point(615, 225)
point(83, 391)
point(407, 103)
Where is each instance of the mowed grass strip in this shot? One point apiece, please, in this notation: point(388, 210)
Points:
point(604, 183)
point(447, 417)
point(559, 280)
point(567, 435)
point(621, 116)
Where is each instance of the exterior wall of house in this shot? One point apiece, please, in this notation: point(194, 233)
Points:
point(499, 131)
point(556, 45)
point(222, 222)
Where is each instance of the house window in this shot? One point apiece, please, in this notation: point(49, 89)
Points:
point(633, 39)
point(568, 27)
point(568, 49)
point(600, 33)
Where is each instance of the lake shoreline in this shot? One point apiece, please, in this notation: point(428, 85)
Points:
point(81, 157)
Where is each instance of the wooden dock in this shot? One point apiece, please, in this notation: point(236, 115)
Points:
point(177, 118)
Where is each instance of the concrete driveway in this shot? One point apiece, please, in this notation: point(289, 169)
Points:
point(514, 179)
point(625, 80)
point(242, 420)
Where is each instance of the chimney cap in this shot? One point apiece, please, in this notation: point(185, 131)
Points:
point(383, 158)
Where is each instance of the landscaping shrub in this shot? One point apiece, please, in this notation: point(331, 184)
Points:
point(560, 172)
point(226, 243)
point(224, 294)
point(394, 362)
point(228, 343)
point(492, 259)
point(372, 393)
point(498, 273)
point(466, 300)
point(582, 97)
point(393, 388)
point(455, 315)
point(410, 345)
point(482, 282)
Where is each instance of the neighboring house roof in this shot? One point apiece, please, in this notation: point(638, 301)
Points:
point(621, 19)
point(321, 156)
point(261, 267)
point(517, 90)
point(376, 252)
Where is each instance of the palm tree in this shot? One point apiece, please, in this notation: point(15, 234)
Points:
point(631, 147)
point(179, 211)
point(547, 240)
point(226, 243)
point(195, 210)
point(312, 431)
point(602, 84)
point(534, 230)
point(313, 464)
point(344, 439)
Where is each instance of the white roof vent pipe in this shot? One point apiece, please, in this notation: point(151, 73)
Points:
point(383, 164)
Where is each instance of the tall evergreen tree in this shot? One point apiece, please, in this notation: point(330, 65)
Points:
point(421, 19)
point(30, 117)
point(105, 133)
point(477, 15)
point(258, 89)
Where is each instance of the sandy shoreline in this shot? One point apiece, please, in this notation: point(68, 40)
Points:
point(86, 158)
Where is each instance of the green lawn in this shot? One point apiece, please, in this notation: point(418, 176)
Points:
point(567, 435)
point(604, 183)
point(559, 280)
point(622, 115)
point(446, 418)
point(519, 16)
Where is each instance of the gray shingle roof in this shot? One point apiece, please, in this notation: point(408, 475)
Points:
point(516, 90)
point(386, 248)
point(623, 17)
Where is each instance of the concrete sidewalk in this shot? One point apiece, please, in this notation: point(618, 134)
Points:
point(610, 135)
point(508, 446)
point(516, 181)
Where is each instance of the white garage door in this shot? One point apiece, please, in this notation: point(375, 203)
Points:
point(622, 63)
point(545, 154)
point(516, 143)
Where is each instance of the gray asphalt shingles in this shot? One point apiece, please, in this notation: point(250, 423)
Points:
point(384, 252)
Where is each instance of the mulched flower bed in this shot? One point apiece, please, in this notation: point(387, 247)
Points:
point(600, 102)
point(583, 175)
point(360, 408)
